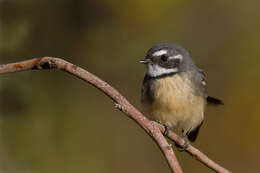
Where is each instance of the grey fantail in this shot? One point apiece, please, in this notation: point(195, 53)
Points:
point(174, 90)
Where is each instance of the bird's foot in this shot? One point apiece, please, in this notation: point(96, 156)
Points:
point(185, 145)
point(166, 128)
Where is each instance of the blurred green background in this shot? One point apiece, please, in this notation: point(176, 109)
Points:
point(51, 122)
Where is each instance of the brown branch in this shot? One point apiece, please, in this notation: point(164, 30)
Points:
point(153, 129)
point(194, 152)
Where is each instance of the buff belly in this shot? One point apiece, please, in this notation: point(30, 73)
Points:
point(175, 104)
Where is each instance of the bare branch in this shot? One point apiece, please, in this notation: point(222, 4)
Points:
point(153, 129)
point(194, 152)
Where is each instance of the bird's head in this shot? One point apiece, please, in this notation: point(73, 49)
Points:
point(166, 59)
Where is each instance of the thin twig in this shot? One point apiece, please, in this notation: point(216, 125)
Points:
point(153, 129)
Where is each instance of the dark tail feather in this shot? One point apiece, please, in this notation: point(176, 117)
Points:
point(214, 101)
point(192, 136)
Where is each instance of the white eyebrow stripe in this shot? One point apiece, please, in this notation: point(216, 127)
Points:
point(176, 57)
point(160, 53)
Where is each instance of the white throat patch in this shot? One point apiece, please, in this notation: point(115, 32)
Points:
point(154, 70)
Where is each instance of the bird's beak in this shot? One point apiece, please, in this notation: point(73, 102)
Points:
point(144, 61)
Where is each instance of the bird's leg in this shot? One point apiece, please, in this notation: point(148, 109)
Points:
point(184, 137)
point(166, 128)
point(185, 145)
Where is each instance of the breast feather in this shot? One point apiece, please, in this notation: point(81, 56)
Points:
point(175, 103)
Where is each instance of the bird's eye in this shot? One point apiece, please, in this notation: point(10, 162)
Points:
point(164, 58)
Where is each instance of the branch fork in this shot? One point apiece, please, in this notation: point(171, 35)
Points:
point(153, 129)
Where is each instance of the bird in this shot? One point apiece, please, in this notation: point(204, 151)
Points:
point(174, 90)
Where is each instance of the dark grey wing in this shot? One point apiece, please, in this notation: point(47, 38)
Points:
point(198, 79)
point(210, 100)
point(146, 95)
point(203, 80)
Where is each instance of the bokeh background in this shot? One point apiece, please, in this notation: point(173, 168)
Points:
point(51, 122)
